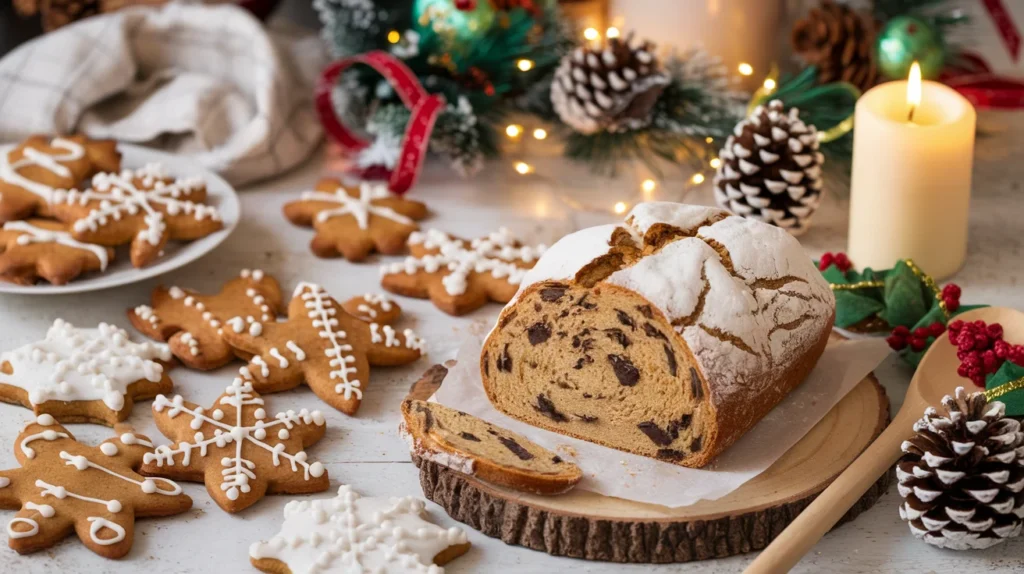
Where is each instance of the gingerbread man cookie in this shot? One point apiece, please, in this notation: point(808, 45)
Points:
point(144, 207)
point(354, 223)
point(322, 345)
point(376, 534)
point(193, 324)
point(236, 448)
point(32, 171)
point(42, 249)
point(460, 276)
point(84, 375)
point(63, 485)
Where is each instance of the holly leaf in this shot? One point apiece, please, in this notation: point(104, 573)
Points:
point(905, 302)
point(833, 275)
point(852, 308)
point(1014, 400)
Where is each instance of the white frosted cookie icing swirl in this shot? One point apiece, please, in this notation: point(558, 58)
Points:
point(352, 533)
point(73, 364)
point(360, 208)
point(9, 170)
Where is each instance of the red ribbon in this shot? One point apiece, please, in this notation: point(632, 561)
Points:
point(974, 79)
point(424, 108)
point(1004, 24)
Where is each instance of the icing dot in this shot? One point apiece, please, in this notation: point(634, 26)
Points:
point(260, 414)
point(259, 434)
point(148, 486)
point(283, 434)
point(45, 420)
point(113, 506)
point(108, 448)
point(218, 414)
point(316, 470)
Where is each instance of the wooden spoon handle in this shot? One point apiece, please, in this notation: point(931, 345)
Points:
point(822, 514)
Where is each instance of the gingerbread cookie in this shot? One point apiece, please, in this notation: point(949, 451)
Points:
point(64, 485)
point(32, 171)
point(193, 324)
point(373, 534)
point(354, 223)
point(144, 207)
point(373, 308)
point(460, 276)
point(475, 447)
point(84, 375)
point(236, 448)
point(322, 345)
point(42, 249)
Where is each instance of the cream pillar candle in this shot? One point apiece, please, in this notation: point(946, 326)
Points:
point(911, 184)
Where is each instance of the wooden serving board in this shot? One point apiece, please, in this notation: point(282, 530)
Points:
point(582, 524)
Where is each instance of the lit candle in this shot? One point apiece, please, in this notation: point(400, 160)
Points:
point(911, 186)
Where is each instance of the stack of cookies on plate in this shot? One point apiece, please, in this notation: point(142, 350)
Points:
point(67, 202)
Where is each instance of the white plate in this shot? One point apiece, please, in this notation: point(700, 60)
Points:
point(219, 194)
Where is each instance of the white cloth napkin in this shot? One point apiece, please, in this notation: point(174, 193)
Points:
point(210, 82)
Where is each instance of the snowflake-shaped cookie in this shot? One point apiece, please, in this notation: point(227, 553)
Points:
point(322, 345)
point(63, 485)
point(144, 207)
point(193, 324)
point(84, 375)
point(236, 448)
point(40, 248)
point(32, 171)
point(353, 533)
point(460, 276)
point(355, 222)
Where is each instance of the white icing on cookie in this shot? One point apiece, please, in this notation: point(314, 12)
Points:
point(497, 254)
point(300, 355)
point(9, 171)
point(190, 340)
point(237, 469)
point(324, 319)
point(73, 364)
point(360, 208)
point(31, 234)
point(119, 196)
point(254, 274)
point(377, 534)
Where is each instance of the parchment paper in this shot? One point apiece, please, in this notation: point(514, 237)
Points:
point(616, 473)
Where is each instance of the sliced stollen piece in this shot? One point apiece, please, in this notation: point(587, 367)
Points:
point(669, 336)
point(473, 446)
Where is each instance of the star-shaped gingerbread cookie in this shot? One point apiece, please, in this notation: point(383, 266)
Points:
point(96, 491)
point(32, 171)
point(322, 345)
point(144, 207)
point(460, 276)
point(193, 324)
point(238, 449)
point(42, 249)
point(84, 375)
point(355, 222)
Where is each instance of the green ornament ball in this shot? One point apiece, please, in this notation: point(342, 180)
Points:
point(448, 20)
point(906, 39)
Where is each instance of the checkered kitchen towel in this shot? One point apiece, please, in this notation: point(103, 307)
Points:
point(205, 81)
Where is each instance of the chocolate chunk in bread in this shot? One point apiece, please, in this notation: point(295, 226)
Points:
point(477, 448)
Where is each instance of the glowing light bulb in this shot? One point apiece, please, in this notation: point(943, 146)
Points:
point(648, 185)
point(709, 139)
point(523, 168)
point(394, 36)
point(524, 65)
point(715, 163)
point(513, 130)
point(540, 134)
point(591, 34)
point(697, 179)
point(612, 32)
point(620, 207)
point(769, 84)
point(745, 69)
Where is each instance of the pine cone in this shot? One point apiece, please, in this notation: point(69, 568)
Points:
point(611, 87)
point(57, 13)
point(839, 42)
point(963, 474)
point(771, 169)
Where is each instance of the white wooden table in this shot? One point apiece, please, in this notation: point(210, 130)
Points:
point(365, 451)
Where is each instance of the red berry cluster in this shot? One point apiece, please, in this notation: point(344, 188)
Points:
point(840, 260)
point(981, 349)
point(917, 340)
point(951, 297)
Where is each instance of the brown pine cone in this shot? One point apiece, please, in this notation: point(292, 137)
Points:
point(57, 13)
point(839, 42)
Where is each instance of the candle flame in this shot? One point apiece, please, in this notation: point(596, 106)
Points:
point(914, 90)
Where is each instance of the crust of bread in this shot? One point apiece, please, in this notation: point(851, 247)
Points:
point(424, 445)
